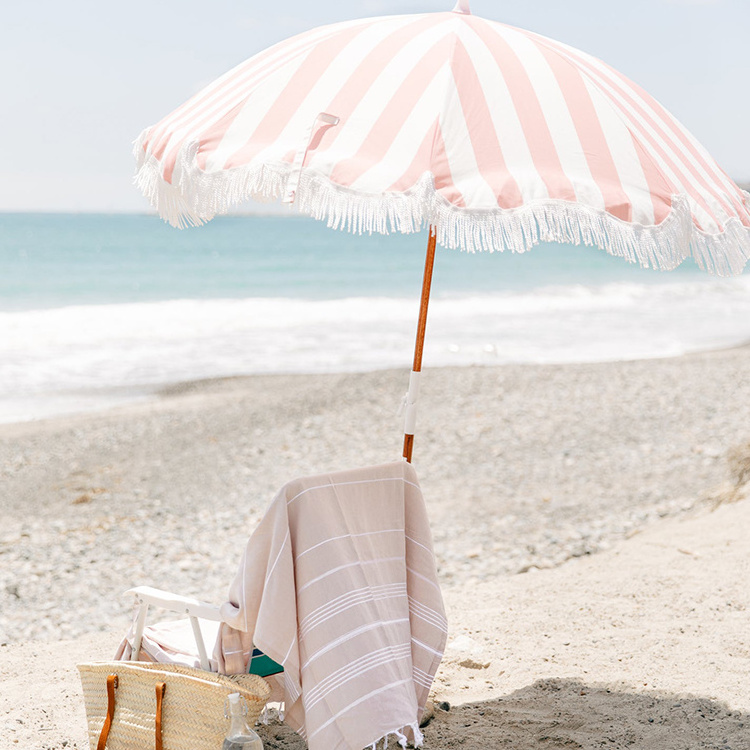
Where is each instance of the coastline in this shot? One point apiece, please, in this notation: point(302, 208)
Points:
point(576, 474)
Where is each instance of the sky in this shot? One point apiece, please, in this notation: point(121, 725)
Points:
point(79, 80)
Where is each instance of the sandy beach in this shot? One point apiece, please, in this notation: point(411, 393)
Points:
point(590, 525)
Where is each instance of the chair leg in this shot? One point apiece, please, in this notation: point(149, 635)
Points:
point(139, 626)
point(205, 665)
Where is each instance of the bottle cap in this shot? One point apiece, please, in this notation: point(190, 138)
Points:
point(235, 704)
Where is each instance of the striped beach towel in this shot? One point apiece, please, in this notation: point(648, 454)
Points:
point(338, 583)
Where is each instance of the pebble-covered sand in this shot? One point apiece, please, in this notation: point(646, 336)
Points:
point(523, 468)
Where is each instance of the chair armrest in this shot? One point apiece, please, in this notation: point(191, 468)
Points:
point(175, 602)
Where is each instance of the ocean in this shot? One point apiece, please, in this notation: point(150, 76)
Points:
point(97, 310)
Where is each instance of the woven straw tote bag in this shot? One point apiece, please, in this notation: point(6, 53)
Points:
point(143, 705)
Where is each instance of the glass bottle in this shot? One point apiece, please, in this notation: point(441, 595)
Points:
point(240, 736)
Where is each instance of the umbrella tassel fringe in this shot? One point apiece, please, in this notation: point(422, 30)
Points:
point(194, 197)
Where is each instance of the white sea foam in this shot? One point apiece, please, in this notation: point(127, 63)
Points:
point(77, 358)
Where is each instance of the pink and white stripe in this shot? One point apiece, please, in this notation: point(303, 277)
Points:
point(498, 136)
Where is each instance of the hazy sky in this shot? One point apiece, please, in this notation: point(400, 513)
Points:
point(80, 79)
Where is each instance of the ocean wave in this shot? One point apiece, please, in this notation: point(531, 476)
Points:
point(49, 356)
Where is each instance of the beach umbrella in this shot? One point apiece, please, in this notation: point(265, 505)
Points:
point(494, 137)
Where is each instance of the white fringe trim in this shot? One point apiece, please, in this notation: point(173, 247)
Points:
point(195, 197)
point(273, 715)
point(401, 737)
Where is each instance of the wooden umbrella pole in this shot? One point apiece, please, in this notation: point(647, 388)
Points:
point(413, 394)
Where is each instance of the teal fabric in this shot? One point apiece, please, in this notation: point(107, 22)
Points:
point(263, 665)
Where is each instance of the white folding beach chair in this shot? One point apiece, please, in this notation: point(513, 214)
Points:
point(170, 642)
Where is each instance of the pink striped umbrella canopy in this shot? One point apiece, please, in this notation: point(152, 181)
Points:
point(498, 137)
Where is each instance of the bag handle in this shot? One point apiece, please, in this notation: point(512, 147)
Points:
point(112, 682)
point(161, 688)
point(111, 685)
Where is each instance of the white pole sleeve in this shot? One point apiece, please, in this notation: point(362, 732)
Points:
point(412, 396)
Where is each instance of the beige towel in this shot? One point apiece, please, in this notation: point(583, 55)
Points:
point(338, 584)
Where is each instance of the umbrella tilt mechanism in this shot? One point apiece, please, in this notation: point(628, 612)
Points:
point(412, 396)
point(319, 125)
